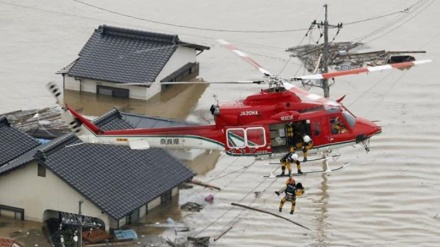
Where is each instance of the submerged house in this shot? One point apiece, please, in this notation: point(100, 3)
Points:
point(130, 63)
point(113, 185)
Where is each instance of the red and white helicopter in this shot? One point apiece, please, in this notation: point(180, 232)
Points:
point(260, 124)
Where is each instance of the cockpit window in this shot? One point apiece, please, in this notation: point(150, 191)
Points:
point(351, 120)
point(337, 126)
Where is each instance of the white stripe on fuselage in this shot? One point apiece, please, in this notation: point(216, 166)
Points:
point(176, 142)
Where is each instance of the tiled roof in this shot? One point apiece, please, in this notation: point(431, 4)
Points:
point(13, 142)
point(140, 121)
point(126, 56)
point(21, 160)
point(112, 120)
point(115, 178)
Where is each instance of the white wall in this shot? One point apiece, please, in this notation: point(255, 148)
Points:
point(23, 188)
point(142, 211)
point(154, 203)
point(174, 192)
point(181, 56)
point(71, 84)
point(88, 85)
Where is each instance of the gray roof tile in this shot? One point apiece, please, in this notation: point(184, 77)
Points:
point(126, 56)
point(13, 142)
point(115, 178)
point(112, 120)
point(140, 121)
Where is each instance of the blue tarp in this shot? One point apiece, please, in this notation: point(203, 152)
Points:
point(43, 141)
point(125, 234)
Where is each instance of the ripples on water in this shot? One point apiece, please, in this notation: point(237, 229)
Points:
point(389, 197)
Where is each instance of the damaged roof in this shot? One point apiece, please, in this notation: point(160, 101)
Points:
point(116, 179)
point(123, 55)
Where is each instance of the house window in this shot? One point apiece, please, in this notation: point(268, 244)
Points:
point(112, 91)
point(41, 170)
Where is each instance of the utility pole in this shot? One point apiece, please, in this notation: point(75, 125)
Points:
point(319, 58)
point(325, 56)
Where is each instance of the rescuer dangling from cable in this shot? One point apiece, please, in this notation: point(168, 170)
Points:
point(291, 191)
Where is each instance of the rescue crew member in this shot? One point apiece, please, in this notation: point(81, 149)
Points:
point(286, 161)
point(335, 126)
point(291, 191)
point(292, 140)
point(307, 145)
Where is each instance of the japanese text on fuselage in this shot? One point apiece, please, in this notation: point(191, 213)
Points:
point(169, 141)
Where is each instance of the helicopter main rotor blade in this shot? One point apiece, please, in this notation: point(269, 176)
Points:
point(244, 56)
point(403, 65)
point(191, 82)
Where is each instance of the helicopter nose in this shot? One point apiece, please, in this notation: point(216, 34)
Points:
point(378, 129)
point(367, 127)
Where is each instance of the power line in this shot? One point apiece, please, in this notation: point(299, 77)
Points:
point(422, 8)
point(235, 31)
point(188, 27)
point(406, 10)
point(395, 21)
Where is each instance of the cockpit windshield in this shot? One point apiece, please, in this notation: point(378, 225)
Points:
point(351, 120)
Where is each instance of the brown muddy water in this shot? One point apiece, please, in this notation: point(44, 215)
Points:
point(388, 197)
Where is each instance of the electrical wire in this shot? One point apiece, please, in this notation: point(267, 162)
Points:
point(229, 30)
point(395, 21)
point(187, 27)
point(422, 8)
point(236, 219)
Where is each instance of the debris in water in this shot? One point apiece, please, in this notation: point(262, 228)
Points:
point(209, 198)
point(191, 206)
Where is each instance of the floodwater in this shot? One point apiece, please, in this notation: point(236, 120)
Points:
point(387, 197)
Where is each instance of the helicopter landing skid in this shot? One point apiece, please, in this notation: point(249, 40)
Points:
point(310, 172)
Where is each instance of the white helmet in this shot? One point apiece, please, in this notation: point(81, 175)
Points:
point(294, 157)
point(307, 138)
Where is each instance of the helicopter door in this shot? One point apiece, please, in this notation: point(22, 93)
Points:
point(246, 141)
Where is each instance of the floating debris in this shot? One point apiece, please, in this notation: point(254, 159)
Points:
point(197, 182)
point(199, 242)
point(39, 123)
point(209, 198)
point(192, 207)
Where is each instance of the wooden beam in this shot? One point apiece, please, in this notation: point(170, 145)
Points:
point(197, 182)
point(266, 212)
